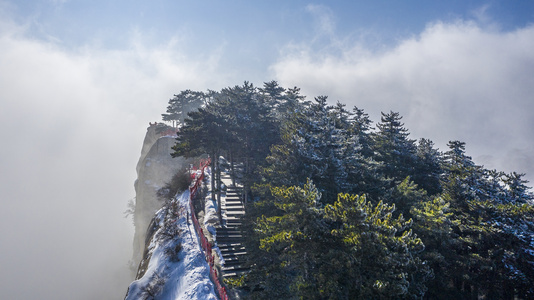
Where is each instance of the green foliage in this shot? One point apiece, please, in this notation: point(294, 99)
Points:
point(406, 195)
point(394, 148)
point(299, 222)
point(426, 224)
point(350, 249)
point(183, 103)
point(235, 282)
point(383, 262)
point(294, 241)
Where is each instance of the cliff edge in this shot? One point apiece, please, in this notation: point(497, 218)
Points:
point(154, 170)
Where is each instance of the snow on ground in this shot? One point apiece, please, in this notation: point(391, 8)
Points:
point(210, 207)
point(188, 278)
point(210, 214)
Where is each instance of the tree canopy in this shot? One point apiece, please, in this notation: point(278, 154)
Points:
point(339, 209)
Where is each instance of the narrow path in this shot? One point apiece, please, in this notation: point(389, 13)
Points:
point(230, 237)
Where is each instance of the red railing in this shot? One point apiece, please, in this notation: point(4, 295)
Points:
point(221, 290)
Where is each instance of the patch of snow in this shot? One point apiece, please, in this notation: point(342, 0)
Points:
point(210, 216)
point(188, 278)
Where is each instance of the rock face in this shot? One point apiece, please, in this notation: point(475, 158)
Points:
point(154, 169)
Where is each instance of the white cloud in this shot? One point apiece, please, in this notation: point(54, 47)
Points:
point(453, 81)
point(72, 128)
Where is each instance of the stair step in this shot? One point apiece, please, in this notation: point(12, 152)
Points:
point(231, 254)
point(237, 237)
point(233, 199)
point(233, 221)
point(237, 222)
point(237, 249)
point(231, 250)
point(234, 273)
point(228, 232)
point(233, 264)
point(229, 245)
point(231, 257)
point(234, 213)
point(238, 228)
point(231, 241)
point(234, 260)
point(234, 268)
point(235, 208)
point(231, 236)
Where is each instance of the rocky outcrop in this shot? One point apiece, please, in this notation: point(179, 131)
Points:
point(154, 169)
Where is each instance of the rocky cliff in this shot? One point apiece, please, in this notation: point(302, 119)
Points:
point(154, 170)
point(167, 260)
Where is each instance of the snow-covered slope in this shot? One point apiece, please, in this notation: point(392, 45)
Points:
point(169, 271)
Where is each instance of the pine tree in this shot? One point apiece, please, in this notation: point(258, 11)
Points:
point(273, 93)
point(393, 147)
point(517, 191)
point(428, 164)
point(488, 251)
point(361, 126)
point(253, 128)
point(383, 262)
point(320, 145)
point(434, 225)
point(183, 103)
point(298, 237)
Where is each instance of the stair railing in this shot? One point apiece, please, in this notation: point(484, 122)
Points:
point(206, 247)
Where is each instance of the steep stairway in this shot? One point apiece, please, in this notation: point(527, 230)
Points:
point(230, 236)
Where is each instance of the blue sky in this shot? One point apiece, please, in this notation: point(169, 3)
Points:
point(80, 80)
point(250, 35)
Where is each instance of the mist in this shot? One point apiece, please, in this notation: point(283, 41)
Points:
point(73, 124)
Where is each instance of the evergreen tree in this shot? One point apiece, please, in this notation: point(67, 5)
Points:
point(183, 103)
point(393, 147)
point(310, 241)
point(434, 225)
point(382, 262)
point(406, 195)
point(488, 248)
point(428, 169)
point(253, 128)
point(517, 191)
point(299, 239)
point(348, 250)
point(273, 93)
point(320, 146)
point(361, 126)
